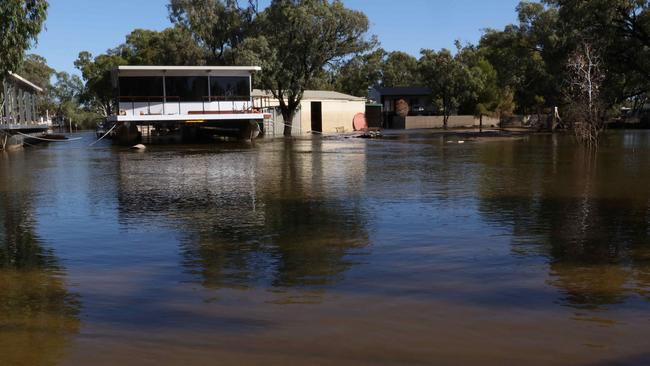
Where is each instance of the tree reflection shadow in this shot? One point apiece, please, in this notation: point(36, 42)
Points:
point(37, 312)
point(588, 214)
point(285, 217)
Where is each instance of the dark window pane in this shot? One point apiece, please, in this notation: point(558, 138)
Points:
point(187, 88)
point(141, 89)
point(230, 88)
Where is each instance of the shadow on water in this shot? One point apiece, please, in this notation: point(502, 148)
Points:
point(279, 218)
point(37, 313)
point(589, 214)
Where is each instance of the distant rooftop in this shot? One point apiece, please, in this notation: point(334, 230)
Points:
point(189, 68)
point(404, 91)
point(315, 95)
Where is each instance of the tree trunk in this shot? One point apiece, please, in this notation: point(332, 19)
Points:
point(287, 116)
point(445, 120)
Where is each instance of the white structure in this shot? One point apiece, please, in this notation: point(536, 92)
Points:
point(214, 96)
point(19, 103)
point(320, 111)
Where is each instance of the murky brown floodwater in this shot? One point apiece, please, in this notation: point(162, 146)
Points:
point(328, 252)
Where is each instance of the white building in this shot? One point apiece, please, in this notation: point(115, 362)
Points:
point(320, 111)
point(177, 99)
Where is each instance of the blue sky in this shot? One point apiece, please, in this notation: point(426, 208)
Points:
point(409, 25)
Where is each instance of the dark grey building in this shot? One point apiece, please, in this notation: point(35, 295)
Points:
point(19, 101)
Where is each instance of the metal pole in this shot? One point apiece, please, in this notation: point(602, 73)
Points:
point(164, 93)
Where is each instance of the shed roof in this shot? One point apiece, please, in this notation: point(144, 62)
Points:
point(404, 91)
point(316, 95)
point(25, 82)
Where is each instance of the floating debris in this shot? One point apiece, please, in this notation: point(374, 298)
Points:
point(369, 135)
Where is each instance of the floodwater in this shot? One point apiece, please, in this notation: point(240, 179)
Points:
point(402, 251)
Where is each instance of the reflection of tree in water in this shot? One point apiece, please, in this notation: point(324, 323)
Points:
point(254, 219)
point(37, 313)
point(589, 215)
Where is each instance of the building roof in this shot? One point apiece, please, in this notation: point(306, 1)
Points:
point(404, 91)
point(189, 68)
point(25, 82)
point(315, 95)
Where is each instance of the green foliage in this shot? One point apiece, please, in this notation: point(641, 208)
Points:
point(448, 79)
point(20, 23)
point(218, 26)
point(35, 69)
point(172, 46)
point(360, 73)
point(481, 95)
point(529, 57)
point(399, 70)
point(65, 96)
point(299, 39)
point(96, 72)
point(620, 30)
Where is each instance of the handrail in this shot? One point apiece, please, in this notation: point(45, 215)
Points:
point(230, 98)
point(161, 97)
point(249, 102)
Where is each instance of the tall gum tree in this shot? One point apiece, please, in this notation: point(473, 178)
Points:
point(20, 23)
point(297, 40)
point(217, 25)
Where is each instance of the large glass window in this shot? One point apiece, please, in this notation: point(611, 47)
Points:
point(141, 89)
point(230, 88)
point(187, 88)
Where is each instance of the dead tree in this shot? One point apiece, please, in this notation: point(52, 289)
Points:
point(583, 85)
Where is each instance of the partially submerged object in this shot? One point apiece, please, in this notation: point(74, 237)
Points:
point(185, 103)
point(370, 134)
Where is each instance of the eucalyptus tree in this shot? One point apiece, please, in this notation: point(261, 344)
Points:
point(217, 25)
point(171, 46)
point(356, 75)
point(96, 72)
point(620, 30)
point(35, 69)
point(529, 57)
point(399, 69)
point(298, 39)
point(66, 94)
point(20, 23)
point(447, 77)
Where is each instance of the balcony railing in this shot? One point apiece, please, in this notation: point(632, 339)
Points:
point(223, 104)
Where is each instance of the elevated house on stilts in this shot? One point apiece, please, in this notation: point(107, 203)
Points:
point(165, 104)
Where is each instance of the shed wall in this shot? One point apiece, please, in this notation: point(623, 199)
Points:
point(337, 114)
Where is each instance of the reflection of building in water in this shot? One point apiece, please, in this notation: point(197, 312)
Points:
point(37, 313)
point(280, 214)
point(589, 216)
